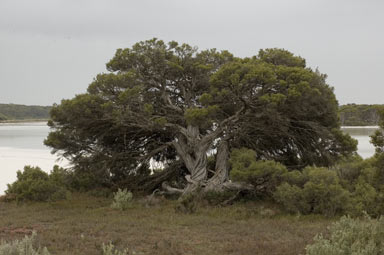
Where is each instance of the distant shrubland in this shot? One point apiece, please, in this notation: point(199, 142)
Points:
point(359, 114)
point(23, 112)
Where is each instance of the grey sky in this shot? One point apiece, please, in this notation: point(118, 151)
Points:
point(52, 49)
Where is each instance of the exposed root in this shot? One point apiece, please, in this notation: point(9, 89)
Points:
point(171, 190)
point(230, 200)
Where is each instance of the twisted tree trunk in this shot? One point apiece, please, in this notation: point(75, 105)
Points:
point(192, 148)
point(221, 169)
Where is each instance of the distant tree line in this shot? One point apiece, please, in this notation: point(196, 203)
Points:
point(359, 114)
point(23, 112)
point(350, 114)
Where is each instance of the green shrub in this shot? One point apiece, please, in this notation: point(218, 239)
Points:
point(321, 194)
point(122, 199)
point(295, 177)
point(34, 184)
point(367, 199)
point(83, 181)
point(350, 169)
point(60, 176)
point(324, 193)
point(110, 249)
point(291, 198)
point(266, 175)
point(22, 247)
point(351, 236)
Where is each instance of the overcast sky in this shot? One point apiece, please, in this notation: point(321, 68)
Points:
point(52, 49)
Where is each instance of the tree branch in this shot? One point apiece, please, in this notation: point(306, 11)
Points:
point(213, 135)
point(155, 151)
point(171, 190)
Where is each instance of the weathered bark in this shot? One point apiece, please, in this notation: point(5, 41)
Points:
point(193, 151)
point(171, 190)
point(192, 148)
point(221, 168)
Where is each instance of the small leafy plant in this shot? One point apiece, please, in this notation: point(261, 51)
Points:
point(109, 249)
point(22, 247)
point(122, 199)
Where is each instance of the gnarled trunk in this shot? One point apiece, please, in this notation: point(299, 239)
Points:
point(192, 148)
point(193, 151)
point(221, 169)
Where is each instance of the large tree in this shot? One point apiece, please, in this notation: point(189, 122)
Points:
point(172, 103)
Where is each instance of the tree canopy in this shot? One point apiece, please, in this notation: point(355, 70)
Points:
point(173, 103)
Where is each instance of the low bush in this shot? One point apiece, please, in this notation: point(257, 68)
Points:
point(265, 175)
point(110, 249)
point(367, 199)
point(122, 199)
point(34, 184)
point(351, 236)
point(295, 177)
point(24, 246)
point(291, 197)
point(321, 194)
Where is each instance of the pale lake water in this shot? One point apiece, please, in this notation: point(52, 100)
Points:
point(22, 144)
point(361, 134)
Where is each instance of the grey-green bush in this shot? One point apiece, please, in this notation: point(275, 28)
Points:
point(351, 236)
point(24, 246)
point(122, 199)
point(110, 249)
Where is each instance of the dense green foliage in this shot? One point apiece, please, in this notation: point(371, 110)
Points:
point(351, 236)
point(23, 112)
point(352, 186)
point(349, 188)
point(33, 184)
point(265, 175)
point(168, 101)
point(359, 115)
point(320, 194)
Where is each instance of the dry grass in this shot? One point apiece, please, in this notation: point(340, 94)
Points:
point(81, 224)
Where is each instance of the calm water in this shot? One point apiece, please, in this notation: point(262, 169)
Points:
point(361, 134)
point(22, 144)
